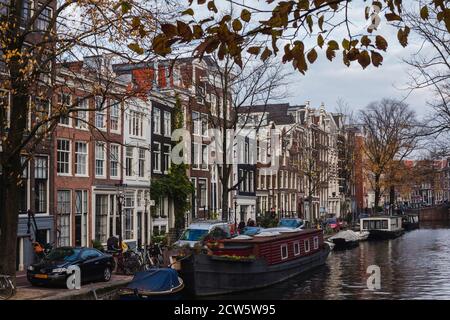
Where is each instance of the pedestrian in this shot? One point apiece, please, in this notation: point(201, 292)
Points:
point(241, 226)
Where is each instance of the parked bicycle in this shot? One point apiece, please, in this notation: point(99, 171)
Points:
point(7, 288)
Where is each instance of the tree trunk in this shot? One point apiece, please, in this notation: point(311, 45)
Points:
point(9, 208)
point(391, 199)
point(377, 191)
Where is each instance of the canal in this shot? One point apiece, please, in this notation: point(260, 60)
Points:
point(414, 266)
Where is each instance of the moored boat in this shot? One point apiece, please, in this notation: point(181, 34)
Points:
point(382, 227)
point(345, 239)
point(250, 263)
point(153, 284)
point(410, 221)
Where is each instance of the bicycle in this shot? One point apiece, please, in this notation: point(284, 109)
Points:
point(7, 288)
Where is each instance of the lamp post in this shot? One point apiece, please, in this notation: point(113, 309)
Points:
point(235, 212)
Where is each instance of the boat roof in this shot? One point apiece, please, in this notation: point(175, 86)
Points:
point(380, 216)
point(281, 236)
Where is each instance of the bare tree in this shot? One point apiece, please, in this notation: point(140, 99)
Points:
point(430, 65)
point(391, 134)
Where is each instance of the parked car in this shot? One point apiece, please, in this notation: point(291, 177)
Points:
point(94, 265)
point(198, 230)
point(333, 223)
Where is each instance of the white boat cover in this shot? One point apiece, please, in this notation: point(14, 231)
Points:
point(348, 235)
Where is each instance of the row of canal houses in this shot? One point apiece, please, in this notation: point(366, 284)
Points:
point(119, 140)
point(109, 151)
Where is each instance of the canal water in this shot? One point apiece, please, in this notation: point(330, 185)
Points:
point(414, 266)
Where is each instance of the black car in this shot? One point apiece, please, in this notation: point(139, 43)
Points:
point(94, 265)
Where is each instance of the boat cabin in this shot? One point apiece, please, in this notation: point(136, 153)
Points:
point(274, 248)
point(381, 223)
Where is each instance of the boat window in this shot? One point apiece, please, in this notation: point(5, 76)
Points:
point(306, 245)
point(316, 243)
point(365, 225)
point(296, 248)
point(284, 251)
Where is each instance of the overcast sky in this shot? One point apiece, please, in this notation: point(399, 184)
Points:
point(327, 81)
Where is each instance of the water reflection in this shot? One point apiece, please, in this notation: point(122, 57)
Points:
point(414, 266)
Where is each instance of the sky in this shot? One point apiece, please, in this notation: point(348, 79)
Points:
point(327, 81)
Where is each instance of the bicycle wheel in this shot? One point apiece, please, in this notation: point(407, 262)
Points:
point(6, 288)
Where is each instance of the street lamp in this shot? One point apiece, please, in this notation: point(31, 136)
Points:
point(235, 212)
point(120, 200)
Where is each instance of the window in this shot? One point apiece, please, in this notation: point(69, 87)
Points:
point(204, 123)
point(99, 159)
point(129, 161)
point(316, 243)
point(115, 115)
point(81, 209)
point(4, 104)
point(42, 111)
point(203, 191)
point(201, 94)
point(26, 13)
point(166, 158)
point(156, 156)
point(306, 245)
point(296, 248)
point(196, 123)
point(135, 124)
point(156, 121)
point(81, 120)
point(65, 101)
point(284, 251)
point(81, 158)
point(40, 184)
point(101, 215)
point(167, 124)
point(43, 21)
point(63, 156)
point(114, 160)
point(63, 218)
point(128, 217)
point(100, 114)
point(141, 163)
point(196, 156)
point(251, 181)
point(204, 156)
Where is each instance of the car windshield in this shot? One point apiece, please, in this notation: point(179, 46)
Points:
point(193, 234)
point(63, 254)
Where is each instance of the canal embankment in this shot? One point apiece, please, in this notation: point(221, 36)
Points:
point(432, 214)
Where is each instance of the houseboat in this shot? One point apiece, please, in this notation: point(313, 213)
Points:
point(382, 227)
point(251, 262)
point(410, 221)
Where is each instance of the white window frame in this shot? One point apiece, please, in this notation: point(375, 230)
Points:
point(296, 244)
point(316, 242)
point(117, 161)
point(100, 110)
point(132, 172)
point(86, 159)
point(166, 169)
point(141, 151)
point(68, 116)
point(156, 121)
point(103, 175)
point(306, 241)
point(285, 246)
point(196, 123)
point(158, 168)
point(82, 125)
point(167, 120)
point(70, 158)
point(114, 104)
point(38, 20)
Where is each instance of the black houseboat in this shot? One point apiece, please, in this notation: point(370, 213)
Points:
point(243, 264)
point(410, 221)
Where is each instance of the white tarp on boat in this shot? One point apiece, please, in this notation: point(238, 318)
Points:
point(348, 235)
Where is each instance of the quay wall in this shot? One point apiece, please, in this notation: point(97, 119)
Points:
point(429, 214)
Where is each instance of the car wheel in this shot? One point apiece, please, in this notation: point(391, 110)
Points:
point(107, 274)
